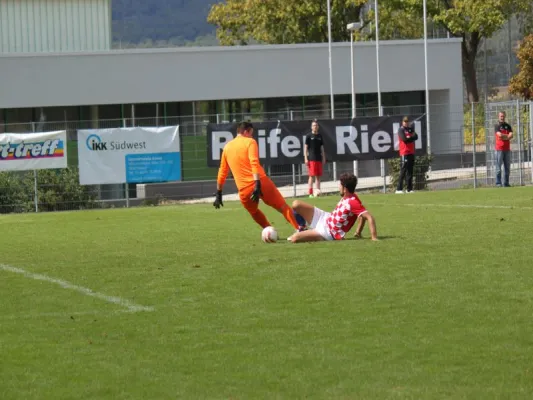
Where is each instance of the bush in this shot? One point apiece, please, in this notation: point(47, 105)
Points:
point(479, 123)
point(420, 179)
point(57, 190)
point(15, 196)
point(60, 190)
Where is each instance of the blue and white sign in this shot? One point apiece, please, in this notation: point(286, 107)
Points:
point(129, 155)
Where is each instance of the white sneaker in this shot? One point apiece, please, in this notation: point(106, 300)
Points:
point(411, 191)
point(399, 192)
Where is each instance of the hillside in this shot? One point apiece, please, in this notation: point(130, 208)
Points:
point(157, 23)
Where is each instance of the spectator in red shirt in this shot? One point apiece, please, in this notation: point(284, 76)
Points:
point(407, 138)
point(504, 134)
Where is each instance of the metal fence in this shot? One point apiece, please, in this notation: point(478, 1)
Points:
point(467, 162)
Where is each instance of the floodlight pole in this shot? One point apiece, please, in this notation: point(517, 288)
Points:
point(332, 98)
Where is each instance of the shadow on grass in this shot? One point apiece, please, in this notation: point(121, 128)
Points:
point(351, 238)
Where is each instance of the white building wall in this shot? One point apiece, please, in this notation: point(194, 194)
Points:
point(216, 73)
point(249, 72)
point(33, 26)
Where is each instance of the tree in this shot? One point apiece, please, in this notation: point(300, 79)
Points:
point(522, 83)
point(474, 20)
point(305, 21)
point(282, 21)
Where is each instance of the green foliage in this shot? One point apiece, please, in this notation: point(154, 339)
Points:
point(15, 193)
point(420, 179)
point(479, 123)
point(522, 83)
point(473, 20)
point(57, 190)
point(60, 190)
point(281, 21)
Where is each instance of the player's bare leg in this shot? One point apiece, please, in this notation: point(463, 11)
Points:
point(289, 216)
point(307, 211)
point(310, 181)
point(310, 235)
point(317, 180)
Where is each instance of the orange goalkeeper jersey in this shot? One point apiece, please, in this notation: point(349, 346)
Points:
point(241, 155)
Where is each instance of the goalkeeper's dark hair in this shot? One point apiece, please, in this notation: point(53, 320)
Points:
point(244, 126)
point(349, 182)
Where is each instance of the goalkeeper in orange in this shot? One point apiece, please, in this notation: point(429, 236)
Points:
point(241, 156)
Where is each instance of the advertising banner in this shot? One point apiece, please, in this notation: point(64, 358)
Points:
point(282, 142)
point(30, 151)
point(129, 155)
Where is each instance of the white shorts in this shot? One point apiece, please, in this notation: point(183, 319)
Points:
point(319, 223)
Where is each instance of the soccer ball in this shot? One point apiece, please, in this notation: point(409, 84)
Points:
point(317, 192)
point(269, 235)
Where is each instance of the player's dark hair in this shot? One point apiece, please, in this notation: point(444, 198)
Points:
point(244, 126)
point(349, 181)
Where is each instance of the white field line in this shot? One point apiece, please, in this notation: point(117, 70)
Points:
point(128, 305)
point(62, 314)
point(450, 205)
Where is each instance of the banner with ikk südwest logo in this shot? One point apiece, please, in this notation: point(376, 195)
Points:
point(129, 155)
point(282, 142)
point(30, 151)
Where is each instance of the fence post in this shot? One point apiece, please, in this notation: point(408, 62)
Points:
point(35, 187)
point(35, 191)
point(474, 144)
point(519, 129)
point(382, 161)
point(126, 188)
point(291, 117)
point(530, 138)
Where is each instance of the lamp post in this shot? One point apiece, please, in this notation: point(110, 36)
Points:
point(380, 107)
point(352, 28)
point(426, 76)
point(332, 99)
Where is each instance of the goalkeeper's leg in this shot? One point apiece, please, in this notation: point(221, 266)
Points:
point(253, 208)
point(273, 198)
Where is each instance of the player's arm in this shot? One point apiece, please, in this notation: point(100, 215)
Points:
point(253, 156)
point(223, 171)
point(367, 217)
point(401, 135)
point(414, 136)
point(359, 228)
point(510, 135)
point(405, 139)
point(306, 150)
point(323, 151)
point(498, 133)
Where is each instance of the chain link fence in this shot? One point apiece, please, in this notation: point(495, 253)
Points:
point(467, 161)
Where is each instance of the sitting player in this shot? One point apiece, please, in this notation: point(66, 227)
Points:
point(333, 226)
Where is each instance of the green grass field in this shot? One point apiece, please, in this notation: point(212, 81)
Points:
point(187, 302)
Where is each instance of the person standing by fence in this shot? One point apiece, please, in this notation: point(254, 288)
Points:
point(407, 138)
point(315, 157)
point(504, 134)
